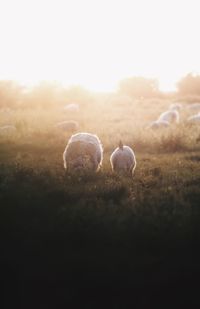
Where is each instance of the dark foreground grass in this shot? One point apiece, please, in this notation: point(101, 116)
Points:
point(101, 241)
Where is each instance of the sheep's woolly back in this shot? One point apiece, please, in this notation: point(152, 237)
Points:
point(194, 118)
point(123, 160)
point(175, 106)
point(7, 129)
point(194, 107)
point(73, 107)
point(84, 150)
point(68, 125)
point(170, 116)
point(159, 124)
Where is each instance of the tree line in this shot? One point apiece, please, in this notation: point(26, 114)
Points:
point(49, 93)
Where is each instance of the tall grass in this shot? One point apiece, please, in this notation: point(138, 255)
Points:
point(99, 240)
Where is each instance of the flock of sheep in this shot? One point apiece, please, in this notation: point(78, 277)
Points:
point(84, 151)
point(172, 115)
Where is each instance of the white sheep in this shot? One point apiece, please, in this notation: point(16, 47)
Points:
point(7, 130)
point(158, 124)
point(123, 160)
point(194, 107)
point(194, 119)
point(68, 125)
point(171, 116)
point(175, 107)
point(73, 107)
point(83, 152)
point(6, 111)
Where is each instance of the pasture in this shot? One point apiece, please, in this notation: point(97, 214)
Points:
point(100, 240)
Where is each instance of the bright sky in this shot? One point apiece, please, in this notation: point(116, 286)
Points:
point(96, 43)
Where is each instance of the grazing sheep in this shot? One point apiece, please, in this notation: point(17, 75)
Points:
point(73, 107)
point(83, 152)
point(194, 107)
point(171, 116)
point(194, 119)
point(69, 125)
point(6, 111)
point(159, 124)
point(123, 160)
point(7, 130)
point(175, 107)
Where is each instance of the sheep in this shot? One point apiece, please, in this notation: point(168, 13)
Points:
point(7, 130)
point(69, 125)
point(123, 160)
point(6, 111)
point(83, 152)
point(194, 119)
point(158, 124)
point(175, 107)
point(171, 116)
point(194, 107)
point(73, 107)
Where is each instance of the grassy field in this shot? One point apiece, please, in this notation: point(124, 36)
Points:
point(100, 240)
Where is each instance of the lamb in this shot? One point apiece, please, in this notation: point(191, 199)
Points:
point(171, 116)
point(69, 125)
point(123, 160)
point(158, 124)
point(83, 152)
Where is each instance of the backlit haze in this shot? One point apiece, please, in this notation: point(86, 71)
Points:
point(97, 43)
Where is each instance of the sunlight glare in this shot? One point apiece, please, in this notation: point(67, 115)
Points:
point(98, 43)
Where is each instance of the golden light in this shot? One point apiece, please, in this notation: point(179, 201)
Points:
point(97, 43)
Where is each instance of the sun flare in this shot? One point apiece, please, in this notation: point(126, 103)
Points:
point(98, 43)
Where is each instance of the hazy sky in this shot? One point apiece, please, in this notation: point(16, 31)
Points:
point(96, 43)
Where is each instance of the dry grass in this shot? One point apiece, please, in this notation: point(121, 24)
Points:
point(70, 240)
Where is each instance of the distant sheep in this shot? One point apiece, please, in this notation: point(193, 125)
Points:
point(83, 152)
point(175, 107)
point(123, 160)
point(158, 124)
point(73, 107)
point(195, 107)
point(194, 119)
point(7, 130)
point(6, 110)
point(171, 116)
point(69, 125)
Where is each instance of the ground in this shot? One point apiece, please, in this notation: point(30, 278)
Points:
point(100, 240)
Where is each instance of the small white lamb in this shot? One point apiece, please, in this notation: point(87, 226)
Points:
point(123, 160)
point(83, 152)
